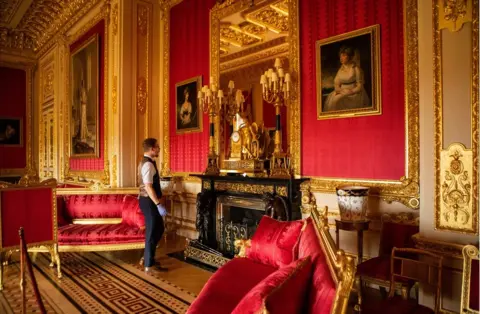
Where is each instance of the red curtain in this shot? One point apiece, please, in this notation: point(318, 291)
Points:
point(364, 147)
point(94, 163)
point(189, 57)
point(13, 105)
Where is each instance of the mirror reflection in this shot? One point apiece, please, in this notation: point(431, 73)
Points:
point(251, 43)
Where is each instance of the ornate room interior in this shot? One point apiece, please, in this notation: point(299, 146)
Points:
point(343, 134)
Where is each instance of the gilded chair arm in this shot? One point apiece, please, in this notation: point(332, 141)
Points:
point(242, 245)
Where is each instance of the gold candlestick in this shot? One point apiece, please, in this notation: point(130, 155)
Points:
point(276, 90)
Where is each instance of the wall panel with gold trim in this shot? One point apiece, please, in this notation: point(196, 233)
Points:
point(456, 83)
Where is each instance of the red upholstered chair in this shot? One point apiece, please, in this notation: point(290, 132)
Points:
point(397, 231)
point(33, 207)
point(470, 296)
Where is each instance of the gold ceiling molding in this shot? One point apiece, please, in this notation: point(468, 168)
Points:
point(254, 58)
point(234, 35)
point(252, 50)
point(454, 13)
point(8, 8)
point(60, 23)
point(456, 168)
point(273, 16)
point(405, 190)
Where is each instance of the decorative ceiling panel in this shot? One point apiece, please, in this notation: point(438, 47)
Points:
point(273, 16)
point(8, 8)
point(41, 21)
point(234, 35)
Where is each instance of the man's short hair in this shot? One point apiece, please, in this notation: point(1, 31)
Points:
point(149, 143)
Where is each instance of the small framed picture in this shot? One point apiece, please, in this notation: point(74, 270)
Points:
point(188, 113)
point(11, 131)
point(348, 74)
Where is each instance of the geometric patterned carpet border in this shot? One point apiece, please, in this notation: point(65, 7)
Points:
point(92, 283)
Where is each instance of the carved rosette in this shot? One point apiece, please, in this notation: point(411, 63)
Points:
point(142, 94)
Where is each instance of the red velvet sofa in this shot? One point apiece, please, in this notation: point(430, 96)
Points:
point(104, 220)
point(287, 267)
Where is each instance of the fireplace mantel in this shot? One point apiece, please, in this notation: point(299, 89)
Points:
point(256, 187)
point(280, 199)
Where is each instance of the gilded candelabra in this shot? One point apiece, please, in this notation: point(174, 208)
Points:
point(276, 90)
point(210, 99)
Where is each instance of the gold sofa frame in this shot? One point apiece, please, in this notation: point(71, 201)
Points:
point(95, 190)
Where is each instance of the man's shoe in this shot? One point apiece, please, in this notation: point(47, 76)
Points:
point(156, 267)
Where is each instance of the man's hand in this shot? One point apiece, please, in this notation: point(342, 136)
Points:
point(162, 210)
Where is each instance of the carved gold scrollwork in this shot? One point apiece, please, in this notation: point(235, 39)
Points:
point(142, 20)
point(456, 167)
point(455, 13)
point(142, 94)
point(456, 189)
point(115, 19)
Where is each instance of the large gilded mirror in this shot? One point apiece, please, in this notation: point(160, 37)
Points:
point(249, 40)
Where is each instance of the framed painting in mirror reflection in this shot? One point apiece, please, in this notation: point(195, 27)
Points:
point(348, 74)
point(187, 112)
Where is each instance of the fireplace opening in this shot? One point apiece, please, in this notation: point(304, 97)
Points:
point(237, 218)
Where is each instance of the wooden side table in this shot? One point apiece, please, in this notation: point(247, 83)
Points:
point(358, 226)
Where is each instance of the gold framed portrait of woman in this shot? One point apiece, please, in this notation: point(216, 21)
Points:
point(348, 74)
point(188, 113)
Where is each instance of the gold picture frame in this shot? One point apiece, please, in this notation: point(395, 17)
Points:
point(84, 97)
point(188, 114)
point(348, 74)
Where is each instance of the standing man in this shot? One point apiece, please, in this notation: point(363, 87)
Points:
point(149, 199)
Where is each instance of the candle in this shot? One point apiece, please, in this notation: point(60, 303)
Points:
point(214, 87)
point(270, 71)
point(278, 63)
point(287, 77)
point(200, 94)
point(281, 73)
point(231, 85)
point(263, 80)
point(209, 93)
point(220, 94)
point(274, 77)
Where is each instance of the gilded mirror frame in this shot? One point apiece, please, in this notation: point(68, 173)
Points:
point(220, 11)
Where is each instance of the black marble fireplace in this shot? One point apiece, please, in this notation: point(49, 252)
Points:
point(230, 208)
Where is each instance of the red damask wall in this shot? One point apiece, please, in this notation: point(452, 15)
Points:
point(13, 104)
point(189, 57)
point(364, 147)
point(94, 163)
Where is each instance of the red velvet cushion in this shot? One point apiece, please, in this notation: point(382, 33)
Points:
point(228, 285)
point(281, 292)
point(62, 216)
point(131, 213)
point(99, 234)
point(322, 287)
point(275, 242)
point(94, 206)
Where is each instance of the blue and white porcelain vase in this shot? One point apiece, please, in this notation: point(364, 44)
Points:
point(352, 202)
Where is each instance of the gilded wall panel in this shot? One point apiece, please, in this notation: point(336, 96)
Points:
point(456, 164)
